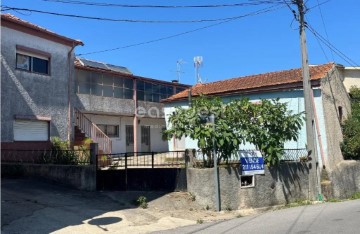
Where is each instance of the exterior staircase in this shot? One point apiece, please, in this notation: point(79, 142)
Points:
point(85, 128)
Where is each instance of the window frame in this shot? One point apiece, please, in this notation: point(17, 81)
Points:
point(104, 128)
point(31, 54)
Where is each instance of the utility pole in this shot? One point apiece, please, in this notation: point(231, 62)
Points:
point(314, 173)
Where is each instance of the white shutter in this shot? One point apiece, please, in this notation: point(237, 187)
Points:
point(31, 130)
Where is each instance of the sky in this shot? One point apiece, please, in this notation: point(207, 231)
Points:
point(250, 44)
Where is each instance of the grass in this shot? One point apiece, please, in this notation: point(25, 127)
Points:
point(355, 196)
point(199, 221)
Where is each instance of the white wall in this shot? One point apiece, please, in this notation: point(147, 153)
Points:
point(119, 143)
point(351, 77)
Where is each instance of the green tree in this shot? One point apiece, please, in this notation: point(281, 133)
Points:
point(351, 128)
point(267, 124)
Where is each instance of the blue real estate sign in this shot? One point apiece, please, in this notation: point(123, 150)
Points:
point(252, 162)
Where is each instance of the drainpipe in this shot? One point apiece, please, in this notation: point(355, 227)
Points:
point(71, 66)
point(318, 132)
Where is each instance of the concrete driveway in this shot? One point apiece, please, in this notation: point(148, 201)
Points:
point(33, 206)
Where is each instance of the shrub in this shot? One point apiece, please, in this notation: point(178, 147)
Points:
point(141, 202)
point(350, 147)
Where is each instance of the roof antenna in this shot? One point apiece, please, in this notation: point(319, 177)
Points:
point(178, 69)
point(198, 61)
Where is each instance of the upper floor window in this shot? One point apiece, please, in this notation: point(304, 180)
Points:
point(32, 63)
point(104, 85)
point(153, 92)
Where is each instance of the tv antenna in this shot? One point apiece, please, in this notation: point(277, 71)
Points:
point(178, 69)
point(198, 61)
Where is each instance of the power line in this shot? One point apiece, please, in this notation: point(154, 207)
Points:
point(7, 8)
point(323, 22)
point(332, 47)
point(262, 11)
point(104, 4)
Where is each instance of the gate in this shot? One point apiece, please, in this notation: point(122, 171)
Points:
point(142, 171)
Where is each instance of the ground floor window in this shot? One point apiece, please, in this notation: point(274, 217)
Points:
point(31, 130)
point(109, 130)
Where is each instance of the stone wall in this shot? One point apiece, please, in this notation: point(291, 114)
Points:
point(345, 180)
point(79, 177)
point(280, 185)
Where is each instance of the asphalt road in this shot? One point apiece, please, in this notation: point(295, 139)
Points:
point(340, 217)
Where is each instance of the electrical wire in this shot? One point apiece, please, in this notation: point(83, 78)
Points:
point(262, 11)
point(7, 8)
point(332, 47)
point(323, 22)
point(104, 4)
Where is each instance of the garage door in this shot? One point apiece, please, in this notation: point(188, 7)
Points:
point(31, 130)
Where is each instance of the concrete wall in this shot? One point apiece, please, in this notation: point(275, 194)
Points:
point(334, 96)
point(80, 177)
point(345, 179)
point(351, 77)
point(280, 185)
point(26, 93)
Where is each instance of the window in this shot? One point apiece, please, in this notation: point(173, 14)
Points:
point(98, 84)
point(129, 135)
point(340, 113)
point(109, 130)
point(152, 92)
point(32, 63)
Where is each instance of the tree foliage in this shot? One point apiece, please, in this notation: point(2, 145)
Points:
point(266, 124)
point(351, 128)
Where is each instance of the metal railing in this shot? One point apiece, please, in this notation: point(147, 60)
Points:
point(94, 132)
point(60, 157)
point(168, 159)
point(295, 155)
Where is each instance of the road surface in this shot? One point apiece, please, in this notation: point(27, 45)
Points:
point(340, 217)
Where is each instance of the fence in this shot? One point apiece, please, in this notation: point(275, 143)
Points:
point(60, 157)
point(294, 155)
point(170, 159)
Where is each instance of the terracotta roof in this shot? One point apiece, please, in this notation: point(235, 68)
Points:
point(255, 83)
point(11, 21)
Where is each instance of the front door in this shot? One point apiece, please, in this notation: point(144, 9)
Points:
point(129, 138)
point(145, 139)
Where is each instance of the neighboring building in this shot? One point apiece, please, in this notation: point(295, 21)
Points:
point(351, 77)
point(331, 101)
point(125, 107)
point(36, 73)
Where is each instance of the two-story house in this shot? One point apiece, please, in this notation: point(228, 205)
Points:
point(37, 68)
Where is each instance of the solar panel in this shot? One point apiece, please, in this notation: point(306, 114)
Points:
point(118, 69)
point(94, 64)
point(105, 66)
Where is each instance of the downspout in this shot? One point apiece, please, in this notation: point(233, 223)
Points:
point(318, 131)
point(71, 65)
point(135, 120)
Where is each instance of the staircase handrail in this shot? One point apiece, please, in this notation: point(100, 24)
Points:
point(93, 131)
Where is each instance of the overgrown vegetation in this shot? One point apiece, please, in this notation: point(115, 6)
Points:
point(61, 153)
point(350, 147)
point(266, 124)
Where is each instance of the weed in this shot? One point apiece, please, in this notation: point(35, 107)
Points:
point(239, 216)
point(200, 221)
point(207, 207)
point(192, 196)
point(228, 208)
point(191, 209)
point(355, 196)
point(333, 200)
point(141, 202)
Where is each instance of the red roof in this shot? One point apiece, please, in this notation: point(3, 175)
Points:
point(11, 21)
point(255, 83)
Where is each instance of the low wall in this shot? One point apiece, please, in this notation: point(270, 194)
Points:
point(80, 177)
point(283, 184)
point(345, 179)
